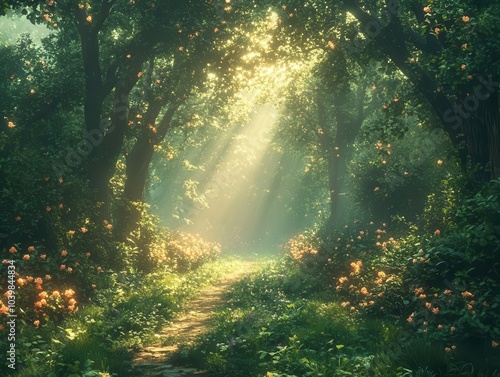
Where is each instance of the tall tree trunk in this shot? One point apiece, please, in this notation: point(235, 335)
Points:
point(338, 148)
point(137, 172)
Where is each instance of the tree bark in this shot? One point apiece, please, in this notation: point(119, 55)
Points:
point(137, 171)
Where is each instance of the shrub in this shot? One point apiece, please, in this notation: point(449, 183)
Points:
point(181, 251)
point(454, 278)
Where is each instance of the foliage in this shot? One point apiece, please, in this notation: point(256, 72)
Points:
point(120, 318)
point(274, 324)
point(392, 179)
point(454, 278)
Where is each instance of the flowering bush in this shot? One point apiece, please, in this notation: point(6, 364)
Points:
point(361, 264)
point(303, 249)
point(183, 251)
point(454, 276)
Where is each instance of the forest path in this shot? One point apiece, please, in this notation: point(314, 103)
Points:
point(153, 361)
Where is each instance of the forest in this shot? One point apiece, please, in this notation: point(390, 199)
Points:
point(250, 188)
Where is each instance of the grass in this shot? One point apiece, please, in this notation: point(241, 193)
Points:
point(100, 338)
point(281, 322)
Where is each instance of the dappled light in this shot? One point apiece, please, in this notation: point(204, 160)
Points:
point(249, 188)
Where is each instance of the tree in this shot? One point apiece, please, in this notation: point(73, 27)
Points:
point(328, 108)
point(325, 116)
point(449, 52)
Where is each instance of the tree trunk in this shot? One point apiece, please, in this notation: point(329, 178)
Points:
point(138, 161)
point(338, 149)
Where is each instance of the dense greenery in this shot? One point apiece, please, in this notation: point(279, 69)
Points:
point(140, 139)
point(366, 304)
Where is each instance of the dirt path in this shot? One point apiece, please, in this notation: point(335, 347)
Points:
point(153, 361)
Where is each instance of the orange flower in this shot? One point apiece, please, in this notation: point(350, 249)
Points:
point(12, 250)
point(36, 323)
point(18, 218)
point(72, 301)
point(83, 229)
point(435, 310)
point(494, 344)
point(428, 305)
point(87, 255)
point(56, 294)
point(437, 232)
point(62, 267)
point(364, 291)
point(5, 261)
point(427, 9)
point(48, 209)
point(69, 269)
point(64, 253)
point(43, 256)
point(26, 257)
point(21, 282)
point(452, 328)
point(31, 249)
point(436, 31)
point(99, 269)
point(43, 294)
point(465, 19)
point(467, 294)
point(48, 277)
point(38, 281)
point(69, 293)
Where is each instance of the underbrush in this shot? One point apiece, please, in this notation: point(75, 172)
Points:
point(362, 302)
point(100, 338)
point(275, 323)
